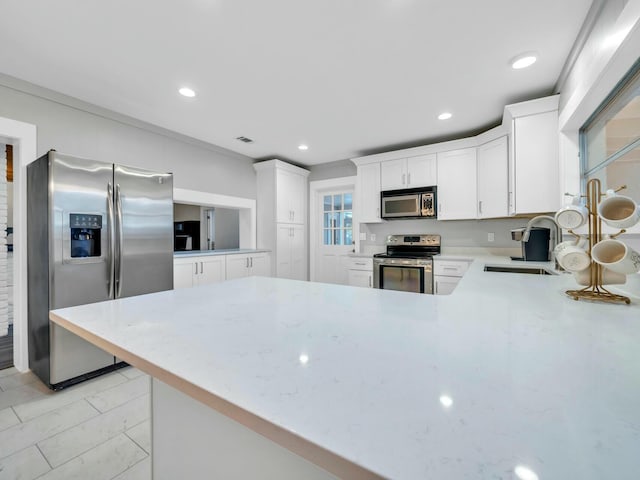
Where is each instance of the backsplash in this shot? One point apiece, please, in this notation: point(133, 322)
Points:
point(462, 233)
point(454, 233)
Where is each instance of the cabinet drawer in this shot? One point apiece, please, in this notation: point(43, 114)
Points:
point(451, 268)
point(360, 263)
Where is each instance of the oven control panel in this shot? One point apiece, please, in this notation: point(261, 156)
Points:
point(430, 240)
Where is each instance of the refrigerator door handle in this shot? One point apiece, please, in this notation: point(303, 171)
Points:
point(118, 271)
point(112, 238)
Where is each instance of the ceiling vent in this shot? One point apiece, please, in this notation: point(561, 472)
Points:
point(244, 139)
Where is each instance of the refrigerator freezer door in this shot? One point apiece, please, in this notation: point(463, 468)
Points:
point(80, 254)
point(144, 218)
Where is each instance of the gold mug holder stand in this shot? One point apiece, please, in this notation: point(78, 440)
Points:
point(595, 291)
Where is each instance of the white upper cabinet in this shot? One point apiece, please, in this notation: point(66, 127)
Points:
point(367, 205)
point(511, 169)
point(290, 191)
point(457, 193)
point(493, 179)
point(534, 156)
point(412, 172)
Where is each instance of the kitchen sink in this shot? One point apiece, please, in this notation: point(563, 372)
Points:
point(518, 269)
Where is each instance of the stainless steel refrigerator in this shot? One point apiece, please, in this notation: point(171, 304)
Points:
point(95, 231)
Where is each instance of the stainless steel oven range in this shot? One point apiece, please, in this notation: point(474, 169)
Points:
point(408, 263)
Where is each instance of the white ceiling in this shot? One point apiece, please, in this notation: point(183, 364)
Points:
point(346, 77)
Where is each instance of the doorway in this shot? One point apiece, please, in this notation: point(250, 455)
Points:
point(6, 256)
point(331, 229)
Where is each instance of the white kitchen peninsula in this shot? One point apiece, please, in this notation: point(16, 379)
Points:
point(257, 373)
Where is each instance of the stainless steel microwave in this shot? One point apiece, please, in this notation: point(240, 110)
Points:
point(409, 203)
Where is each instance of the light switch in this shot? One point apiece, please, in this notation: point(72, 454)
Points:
point(491, 236)
point(363, 236)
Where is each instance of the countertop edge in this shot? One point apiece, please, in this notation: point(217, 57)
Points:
point(206, 253)
point(329, 461)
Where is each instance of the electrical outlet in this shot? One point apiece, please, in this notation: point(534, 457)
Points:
point(372, 237)
point(491, 237)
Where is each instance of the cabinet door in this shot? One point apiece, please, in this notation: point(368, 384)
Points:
point(393, 174)
point(298, 257)
point(298, 199)
point(237, 266)
point(367, 207)
point(284, 267)
point(260, 265)
point(285, 185)
point(183, 273)
point(361, 278)
point(211, 270)
point(421, 171)
point(536, 165)
point(444, 285)
point(457, 191)
point(290, 197)
point(493, 179)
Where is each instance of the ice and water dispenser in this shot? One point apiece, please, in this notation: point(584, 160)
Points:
point(85, 235)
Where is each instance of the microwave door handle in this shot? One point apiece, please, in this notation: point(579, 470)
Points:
point(112, 239)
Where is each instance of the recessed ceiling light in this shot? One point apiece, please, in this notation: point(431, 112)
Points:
point(187, 92)
point(444, 116)
point(303, 147)
point(446, 401)
point(525, 473)
point(523, 61)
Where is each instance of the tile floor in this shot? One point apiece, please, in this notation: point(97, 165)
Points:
point(96, 430)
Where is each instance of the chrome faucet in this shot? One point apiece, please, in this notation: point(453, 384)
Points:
point(556, 235)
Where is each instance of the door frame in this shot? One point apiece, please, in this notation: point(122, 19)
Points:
point(316, 188)
point(23, 137)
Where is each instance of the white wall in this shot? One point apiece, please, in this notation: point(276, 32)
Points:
point(184, 213)
point(88, 131)
point(227, 226)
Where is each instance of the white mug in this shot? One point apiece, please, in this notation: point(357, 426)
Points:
point(609, 277)
point(572, 216)
point(618, 211)
point(616, 256)
point(572, 256)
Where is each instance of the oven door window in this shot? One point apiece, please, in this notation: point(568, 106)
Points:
point(404, 278)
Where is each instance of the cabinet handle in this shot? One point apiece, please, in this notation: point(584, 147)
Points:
point(251, 262)
point(510, 199)
point(439, 208)
point(196, 264)
point(360, 263)
point(480, 206)
point(201, 267)
point(369, 281)
point(403, 178)
point(409, 179)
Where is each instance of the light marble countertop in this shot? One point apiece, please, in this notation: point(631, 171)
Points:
point(506, 373)
point(224, 251)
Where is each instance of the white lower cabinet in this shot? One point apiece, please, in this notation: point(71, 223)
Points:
point(191, 271)
point(444, 285)
point(290, 252)
point(360, 272)
point(248, 265)
point(447, 274)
